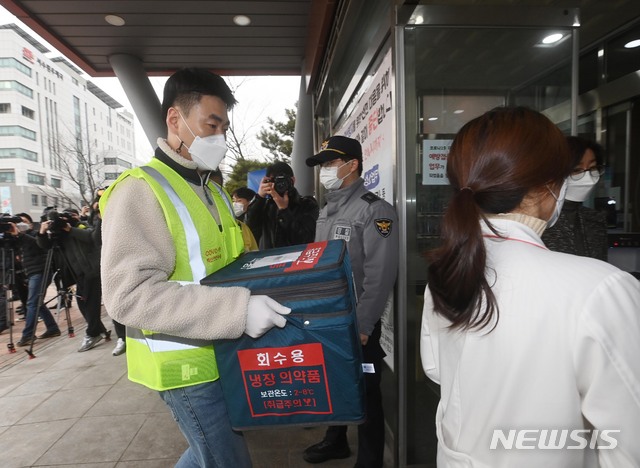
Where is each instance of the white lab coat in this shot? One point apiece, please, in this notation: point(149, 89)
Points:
point(565, 354)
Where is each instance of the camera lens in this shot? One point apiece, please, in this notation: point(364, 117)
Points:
point(282, 184)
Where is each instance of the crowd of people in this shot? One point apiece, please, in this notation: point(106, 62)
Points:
point(62, 248)
point(515, 334)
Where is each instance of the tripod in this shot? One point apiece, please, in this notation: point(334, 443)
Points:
point(42, 293)
point(63, 297)
point(8, 279)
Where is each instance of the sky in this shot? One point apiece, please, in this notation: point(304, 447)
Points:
point(248, 116)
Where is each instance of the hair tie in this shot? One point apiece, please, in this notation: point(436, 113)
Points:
point(467, 188)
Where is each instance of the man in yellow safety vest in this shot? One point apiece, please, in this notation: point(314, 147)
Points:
point(166, 225)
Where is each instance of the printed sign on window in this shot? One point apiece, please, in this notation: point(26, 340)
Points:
point(287, 380)
point(434, 162)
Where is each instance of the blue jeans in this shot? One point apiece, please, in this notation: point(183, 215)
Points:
point(201, 413)
point(34, 285)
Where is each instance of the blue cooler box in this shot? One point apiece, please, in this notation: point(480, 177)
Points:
point(310, 371)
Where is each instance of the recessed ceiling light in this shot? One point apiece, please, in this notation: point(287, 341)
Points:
point(242, 20)
point(114, 20)
point(458, 111)
point(433, 118)
point(552, 38)
point(632, 44)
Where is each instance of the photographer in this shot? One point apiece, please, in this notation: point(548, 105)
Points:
point(278, 215)
point(33, 262)
point(80, 248)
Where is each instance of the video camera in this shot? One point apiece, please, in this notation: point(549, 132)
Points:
point(281, 183)
point(7, 240)
point(59, 220)
point(6, 220)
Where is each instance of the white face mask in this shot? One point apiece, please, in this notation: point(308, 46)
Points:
point(206, 152)
point(23, 227)
point(238, 208)
point(579, 190)
point(329, 177)
point(559, 203)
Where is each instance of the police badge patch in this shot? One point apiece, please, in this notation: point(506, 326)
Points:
point(383, 226)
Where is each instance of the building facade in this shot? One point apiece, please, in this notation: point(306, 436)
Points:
point(61, 136)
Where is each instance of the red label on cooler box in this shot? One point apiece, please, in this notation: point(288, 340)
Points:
point(309, 257)
point(285, 380)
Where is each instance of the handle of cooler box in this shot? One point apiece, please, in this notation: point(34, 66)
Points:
point(300, 322)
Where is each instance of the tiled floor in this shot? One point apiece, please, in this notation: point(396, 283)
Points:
point(70, 409)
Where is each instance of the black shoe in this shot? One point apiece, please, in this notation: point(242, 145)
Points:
point(49, 334)
point(326, 450)
point(25, 341)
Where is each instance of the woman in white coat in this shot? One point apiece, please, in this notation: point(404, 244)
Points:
point(537, 352)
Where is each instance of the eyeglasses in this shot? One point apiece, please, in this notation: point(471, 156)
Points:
point(595, 171)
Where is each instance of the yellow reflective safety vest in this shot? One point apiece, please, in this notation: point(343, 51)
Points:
point(157, 360)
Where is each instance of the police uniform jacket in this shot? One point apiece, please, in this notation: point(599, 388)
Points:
point(369, 226)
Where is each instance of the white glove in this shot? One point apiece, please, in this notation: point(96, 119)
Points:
point(262, 314)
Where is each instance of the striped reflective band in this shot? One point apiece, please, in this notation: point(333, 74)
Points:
point(226, 200)
point(198, 269)
point(159, 342)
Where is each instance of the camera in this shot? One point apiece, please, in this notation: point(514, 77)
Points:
point(6, 238)
point(58, 220)
point(281, 184)
point(6, 220)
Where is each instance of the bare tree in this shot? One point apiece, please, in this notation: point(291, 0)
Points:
point(242, 129)
point(81, 167)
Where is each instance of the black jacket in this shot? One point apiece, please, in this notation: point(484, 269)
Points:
point(579, 231)
point(279, 228)
point(81, 249)
point(33, 257)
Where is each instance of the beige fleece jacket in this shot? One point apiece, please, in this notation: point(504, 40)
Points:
point(138, 256)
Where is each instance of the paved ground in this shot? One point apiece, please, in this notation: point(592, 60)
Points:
point(70, 409)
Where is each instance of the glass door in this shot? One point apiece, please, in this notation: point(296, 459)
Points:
point(621, 188)
point(450, 75)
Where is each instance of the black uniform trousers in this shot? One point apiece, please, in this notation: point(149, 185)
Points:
point(371, 431)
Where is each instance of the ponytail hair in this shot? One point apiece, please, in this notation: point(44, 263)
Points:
point(494, 161)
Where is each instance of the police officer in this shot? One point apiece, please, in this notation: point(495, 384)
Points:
point(369, 226)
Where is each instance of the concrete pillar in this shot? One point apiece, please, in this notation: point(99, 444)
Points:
point(141, 95)
point(303, 142)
